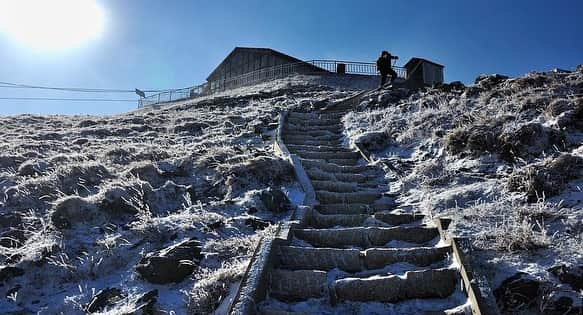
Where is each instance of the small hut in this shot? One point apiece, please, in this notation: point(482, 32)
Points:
point(422, 72)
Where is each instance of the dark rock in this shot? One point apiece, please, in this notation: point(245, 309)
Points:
point(569, 274)
point(456, 86)
point(12, 238)
point(71, 210)
point(191, 128)
point(473, 91)
point(104, 298)
point(8, 272)
point(80, 141)
point(32, 168)
point(257, 224)
point(146, 302)
point(215, 225)
point(374, 141)
point(87, 123)
point(274, 200)
point(13, 290)
point(171, 264)
point(10, 220)
point(519, 290)
point(490, 80)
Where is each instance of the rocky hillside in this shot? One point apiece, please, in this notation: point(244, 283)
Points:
point(503, 158)
point(147, 212)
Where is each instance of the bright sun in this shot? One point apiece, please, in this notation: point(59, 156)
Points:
point(51, 24)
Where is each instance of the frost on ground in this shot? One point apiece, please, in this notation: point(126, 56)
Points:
point(504, 159)
point(150, 212)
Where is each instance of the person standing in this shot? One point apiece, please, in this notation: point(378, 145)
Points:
point(384, 66)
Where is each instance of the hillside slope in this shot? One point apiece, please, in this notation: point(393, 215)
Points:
point(95, 211)
point(503, 158)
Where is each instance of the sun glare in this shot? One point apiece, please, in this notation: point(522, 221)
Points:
point(52, 25)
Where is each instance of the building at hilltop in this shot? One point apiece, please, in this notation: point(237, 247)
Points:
point(246, 60)
point(245, 66)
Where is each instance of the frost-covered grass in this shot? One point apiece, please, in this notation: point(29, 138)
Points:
point(84, 198)
point(502, 158)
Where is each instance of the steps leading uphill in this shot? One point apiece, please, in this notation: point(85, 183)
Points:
point(356, 251)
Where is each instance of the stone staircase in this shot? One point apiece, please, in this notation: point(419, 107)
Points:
point(355, 252)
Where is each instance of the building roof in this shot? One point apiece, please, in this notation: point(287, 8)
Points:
point(254, 49)
point(413, 62)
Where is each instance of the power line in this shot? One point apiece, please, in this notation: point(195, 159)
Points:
point(64, 99)
point(71, 89)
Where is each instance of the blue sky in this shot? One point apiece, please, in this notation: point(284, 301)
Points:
point(171, 44)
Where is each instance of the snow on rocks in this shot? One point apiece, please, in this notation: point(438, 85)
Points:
point(502, 159)
point(86, 199)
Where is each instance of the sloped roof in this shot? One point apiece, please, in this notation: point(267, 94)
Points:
point(413, 61)
point(254, 49)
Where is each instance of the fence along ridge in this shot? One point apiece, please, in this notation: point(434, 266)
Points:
point(262, 75)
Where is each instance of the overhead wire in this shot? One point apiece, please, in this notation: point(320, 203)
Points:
point(65, 99)
point(73, 89)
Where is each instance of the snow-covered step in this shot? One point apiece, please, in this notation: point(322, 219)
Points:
point(313, 122)
point(319, 220)
point(328, 155)
point(327, 197)
point(433, 283)
point(397, 218)
point(354, 260)
point(300, 141)
point(316, 115)
point(314, 148)
point(317, 174)
point(294, 285)
point(333, 168)
point(364, 237)
point(331, 128)
point(326, 259)
point(311, 133)
point(335, 186)
point(378, 258)
point(353, 208)
point(298, 285)
point(272, 310)
point(300, 137)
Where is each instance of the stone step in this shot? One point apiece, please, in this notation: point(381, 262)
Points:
point(334, 168)
point(318, 115)
point(338, 162)
point(328, 155)
point(277, 310)
point(303, 137)
point(272, 310)
point(312, 133)
point(327, 197)
point(365, 237)
point(295, 285)
point(354, 208)
point(298, 141)
point(335, 186)
point(354, 260)
point(433, 283)
point(313, 122)
point(321, 148)
point(398, 218)
point(322, 221)
point(316, 219)
point(316, 174)
point(299, 285)
point(303, 128)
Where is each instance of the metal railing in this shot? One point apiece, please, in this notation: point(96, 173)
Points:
point(266, 74)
